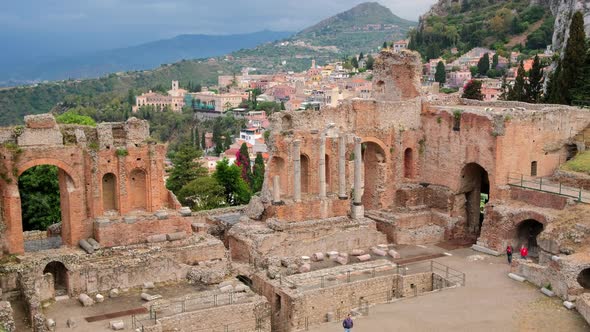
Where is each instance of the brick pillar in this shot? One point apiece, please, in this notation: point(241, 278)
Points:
point(357, 205)
point(323, 166)
point(342, 167)
point(276, 189)
point(297, 170)
point(13, 219)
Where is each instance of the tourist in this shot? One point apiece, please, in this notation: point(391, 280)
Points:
point(509, 254)
point(347, 324)
point(524, 252)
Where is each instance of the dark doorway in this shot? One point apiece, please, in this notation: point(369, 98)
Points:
point(475, 184)
point(60, 277)
point(584, 278)
point(527, 233)
point(305, 174)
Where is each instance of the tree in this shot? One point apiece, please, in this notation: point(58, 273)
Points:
point(361, 56)
point(441, 75)
point(229, 177)
point(283, 106)
point(258, 173)
point(354, 62)
point(518, 91)
point(203, 193)
point(39, 195)
point(71, 117)
point(569, 66)
point(484, 64)
point(472, 90)
point(243, 161)
point(384, 45)
point(505, 89)
point(203, 141)
point(370, 62)
point(196, 138)
point(534, 89)
point(495, 60)
point(184, 167)
point(581, 92)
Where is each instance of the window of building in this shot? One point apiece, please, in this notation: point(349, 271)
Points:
point(534, 168)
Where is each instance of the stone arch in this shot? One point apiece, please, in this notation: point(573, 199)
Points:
point(305, 174)
point(584, 279)
point(409, 168)
point(278, 167)
point(138, 188)
point(109, 192)
point(60, 276)
point(374, 162)
point(475, 185)
point(527, 232)
point(50, 161)
point(287, 122)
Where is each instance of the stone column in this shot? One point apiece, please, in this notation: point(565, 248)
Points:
point(297, 170)
point(322, 166)
point(357, 205)
point(276, 190)
point(342, 167)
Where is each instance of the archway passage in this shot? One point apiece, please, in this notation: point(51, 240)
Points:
point(475, 185)
point(41, 190)
point(109, 198)
point(305, 173)
point(374, 175)
point(527, 233)
point(584, 279)
point(60, 277)
point(138, 189)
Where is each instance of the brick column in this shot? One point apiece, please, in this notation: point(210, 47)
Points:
point(276, 190)
point(297, 170)
point(323, 166)
point(357, 205)
point(342, 167)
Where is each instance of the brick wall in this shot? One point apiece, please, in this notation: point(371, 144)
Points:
point(583, 306)
point(117, 232)
point(538, 198)
point(310, 210)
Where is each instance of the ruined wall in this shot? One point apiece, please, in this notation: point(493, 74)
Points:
point(309, 209)
point(538, 198)
point(6, 318)
point(131, 230)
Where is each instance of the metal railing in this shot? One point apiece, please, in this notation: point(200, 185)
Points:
point(548, 186)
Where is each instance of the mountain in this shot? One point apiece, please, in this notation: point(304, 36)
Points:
point(361, 28)
point(144, 56)
point(499, 24)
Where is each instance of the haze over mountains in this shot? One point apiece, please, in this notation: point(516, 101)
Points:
point(144, 56)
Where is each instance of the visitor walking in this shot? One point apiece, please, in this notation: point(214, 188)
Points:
point(347, 324)
point(524, 252)
point(509, 254)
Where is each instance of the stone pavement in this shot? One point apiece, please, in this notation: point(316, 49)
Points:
point(489, 302)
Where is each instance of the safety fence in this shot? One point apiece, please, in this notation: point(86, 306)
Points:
point(546, 185)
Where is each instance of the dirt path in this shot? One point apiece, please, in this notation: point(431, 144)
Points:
point(520, 39)
point(489, 302)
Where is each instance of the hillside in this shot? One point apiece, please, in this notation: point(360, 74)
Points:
point(109, 94)
point(489, 23)
point(361, 28)
point(140, 57)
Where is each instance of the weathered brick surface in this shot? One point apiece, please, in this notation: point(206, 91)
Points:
point(583, 306)
point(117, 232)
point(538, 198)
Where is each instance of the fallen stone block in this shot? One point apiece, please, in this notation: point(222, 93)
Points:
point(156, 238)
point(50, 323)
point(569, 305)
point(304, 268)
point(226, 289)
point(161, 215)
point(99, 298)
point(305, 259)
point(485, 250)
point(343, 254)
point(93, 243)
point(364, 258)
point(117, 325)
point(85, 300)
point(114, 292)
point(148, 285)
point(516, 277)
point(358, 252)
point(547, 292)
point(86, 246)
point(185, 211)
point(378, 251)
point(394, 254)
point(318, 256)
point(130, 219)
point(175, 236)
point(383, 247)
point(71, 323)
point(241, 288)
point(199, 227)
point(342, 260)
point(148, 297)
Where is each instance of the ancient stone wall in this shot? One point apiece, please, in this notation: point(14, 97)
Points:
point(538, 198)
point(6, 317)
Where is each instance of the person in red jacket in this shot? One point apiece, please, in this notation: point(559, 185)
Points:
point(509, 254)
point(524, 252)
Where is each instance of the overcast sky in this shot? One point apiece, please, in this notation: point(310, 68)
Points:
point(63, 27)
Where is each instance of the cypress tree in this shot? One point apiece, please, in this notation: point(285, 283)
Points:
point(243, 161)
point(535, 87)
point(570, 64)
point(258, 173)
point(484, 64)
point(518, 91)
point(203, 142)
point(581, 93)
point(440, 76)
point(472, 90)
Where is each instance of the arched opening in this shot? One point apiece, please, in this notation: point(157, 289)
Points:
point(526, 234)
point(475, 185)
point(43, 191)
point(109, 197)
point(277, 167)
point(138, 188)
point(584, 278)
point(328, 175)
point(534, 168)
point(287, 122)
point(374, 174)
point(60, 277)
point(571, 151)
point(409, 163)
point(305, 174)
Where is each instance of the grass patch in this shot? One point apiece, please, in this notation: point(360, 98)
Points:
point(580, 163)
